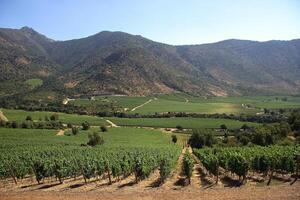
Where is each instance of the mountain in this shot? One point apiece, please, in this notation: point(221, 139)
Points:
point(120, 63)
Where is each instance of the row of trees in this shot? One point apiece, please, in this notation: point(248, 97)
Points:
point(264, 135)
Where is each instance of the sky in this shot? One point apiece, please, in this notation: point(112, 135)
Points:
point(169, 21)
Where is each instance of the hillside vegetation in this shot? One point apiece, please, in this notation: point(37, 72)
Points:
point(120, 63)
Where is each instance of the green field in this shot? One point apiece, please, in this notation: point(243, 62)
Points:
point(34, 82)
point(114, 137)
point(179, 102)
point(20, 115)
point(163, 105)
point(185, 122)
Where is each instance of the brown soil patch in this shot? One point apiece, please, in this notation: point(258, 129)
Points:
point(281, 192)
point(60, 133)
point(2, 117)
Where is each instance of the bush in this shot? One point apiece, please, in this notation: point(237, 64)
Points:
point(179, 127)
point(174, 139)
point(244, 140)
point(14, 124)
point(28, 118)
point(245, 127)
point(95, 139)
point(75, 130)
point(69, 125)
point(223, 126)
point(103, 128)
point(188, 164)
point(54, 117)
point(85, 126)
point(200, 138)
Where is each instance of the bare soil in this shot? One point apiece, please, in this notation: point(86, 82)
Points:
point(3, 117)
point(202, 187)
point(60, 133)
point(281, 192)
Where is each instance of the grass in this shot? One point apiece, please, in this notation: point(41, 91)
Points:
point(185, 122)
point(179, 102)
point(20, 115)
point(163, 105)
point(115, 137)
point(34, 82)
point(128, 102)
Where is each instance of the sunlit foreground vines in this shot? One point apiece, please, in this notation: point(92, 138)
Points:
point(240, 161)
point(64, 162)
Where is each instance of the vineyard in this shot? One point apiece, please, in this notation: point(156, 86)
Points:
point(242, 162)
point(71, 162)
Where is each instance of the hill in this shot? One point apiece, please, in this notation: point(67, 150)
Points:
point(120, 63)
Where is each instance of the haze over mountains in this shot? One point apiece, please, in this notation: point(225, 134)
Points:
point(120, 63)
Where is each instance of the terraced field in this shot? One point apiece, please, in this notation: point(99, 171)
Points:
point(185, 122)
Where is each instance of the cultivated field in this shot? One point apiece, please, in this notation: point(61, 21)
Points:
point(139, 159)
point(184, 122)
point(20, 115)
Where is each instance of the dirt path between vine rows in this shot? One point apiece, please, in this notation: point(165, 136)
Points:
point(175, 179)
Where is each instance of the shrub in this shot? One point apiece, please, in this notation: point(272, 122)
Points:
point(14, 124)
point(103, 128)
point(28, 118)
point(69, 125)
point(200, 138)
point(54, 117)
point(179, 127)
point(85, 126)
point(188, 164)
point(95, 139)
point(174, 139)
point(223, 126)
point(75, 130)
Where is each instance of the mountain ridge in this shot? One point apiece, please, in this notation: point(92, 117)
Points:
point(121, 63)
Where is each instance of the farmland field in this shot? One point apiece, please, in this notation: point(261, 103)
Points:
point(185, 122)
point(20, 115)
point(139, 153)
point(114, 137)
point(179, 102)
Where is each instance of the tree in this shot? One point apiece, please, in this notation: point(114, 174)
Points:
point(197, 140)
point(54, 117)
point(245, 127)
point(28, 118)
point(223, 127)
point(75, 130)
point(259, 138)
point(14, 124)
point(174, 139)
point(179, 127)
point(85, 125)
point(95, 139)
point(243, 139)
point(103, 128)
point(46, 118)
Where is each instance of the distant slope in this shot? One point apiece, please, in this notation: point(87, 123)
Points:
point(120, 63)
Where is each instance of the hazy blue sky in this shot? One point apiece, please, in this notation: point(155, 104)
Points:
point(168, 21)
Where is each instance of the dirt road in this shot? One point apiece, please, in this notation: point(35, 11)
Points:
point(111, 123)
point(133, 109)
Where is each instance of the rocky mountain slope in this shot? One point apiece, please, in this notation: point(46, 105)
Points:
point(120, 63)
